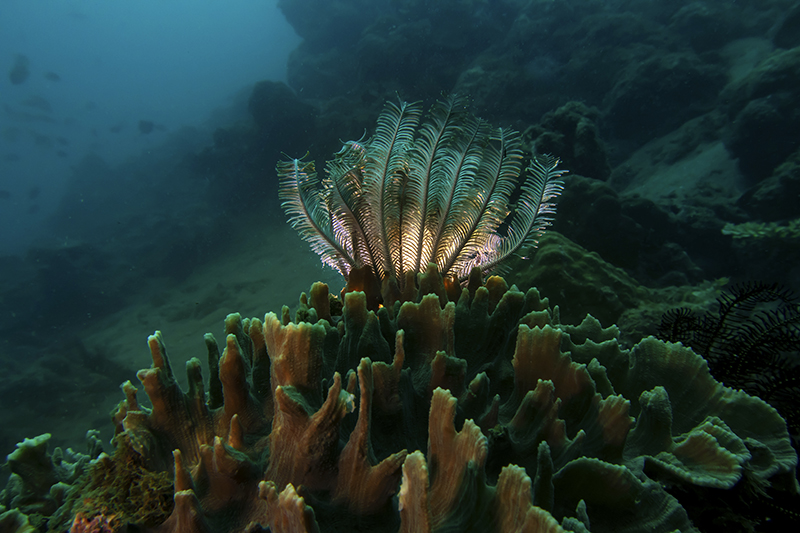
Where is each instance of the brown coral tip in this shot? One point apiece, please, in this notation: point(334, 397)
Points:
point(304, 446)
point(413, 497)
point(363, 487)
point(516, 513)
point(288, 512)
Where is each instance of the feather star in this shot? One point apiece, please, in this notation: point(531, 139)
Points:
point(437, 191)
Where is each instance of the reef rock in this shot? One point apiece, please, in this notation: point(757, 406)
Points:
point(763, 118)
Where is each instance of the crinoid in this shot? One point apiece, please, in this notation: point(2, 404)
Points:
point(752, 343)
point(438, 191)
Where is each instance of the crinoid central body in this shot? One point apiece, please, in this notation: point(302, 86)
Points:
point(418, 192)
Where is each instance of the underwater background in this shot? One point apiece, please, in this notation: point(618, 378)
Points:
point(138, 145)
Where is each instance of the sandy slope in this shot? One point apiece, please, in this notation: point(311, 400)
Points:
point(263, 271)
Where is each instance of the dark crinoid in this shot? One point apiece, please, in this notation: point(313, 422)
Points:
point(752, 342)
point(438, 191)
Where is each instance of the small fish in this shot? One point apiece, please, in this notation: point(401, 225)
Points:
point(146, 126)
point(19, 72)
point(52, 76)
point(38, 102)
point(41, 140)
point(25, 116)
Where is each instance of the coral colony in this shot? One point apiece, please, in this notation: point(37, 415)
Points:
point(427, 398)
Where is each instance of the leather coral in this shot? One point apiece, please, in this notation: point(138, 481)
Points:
point(481, 414)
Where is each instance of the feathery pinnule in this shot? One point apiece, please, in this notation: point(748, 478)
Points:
point(417, 192)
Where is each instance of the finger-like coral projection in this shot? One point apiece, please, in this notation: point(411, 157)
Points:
point(436, 191)
point(478, 414)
